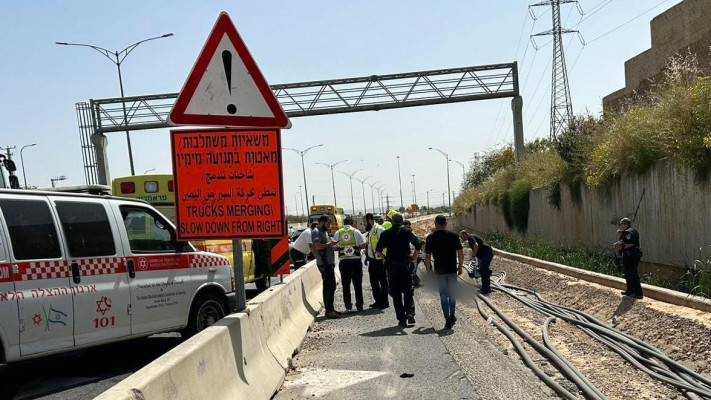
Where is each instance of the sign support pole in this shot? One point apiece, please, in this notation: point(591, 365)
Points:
point(238, 261)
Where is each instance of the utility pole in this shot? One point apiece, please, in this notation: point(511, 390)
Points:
point(561, 105)
point(387, 200)
point(428, 200)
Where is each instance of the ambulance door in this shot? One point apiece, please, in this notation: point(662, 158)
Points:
point(9, 319)
point(159, 276)
point(42, 288)
point(99, 278)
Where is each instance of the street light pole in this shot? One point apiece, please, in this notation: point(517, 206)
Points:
point(362, 187)
point(372, 194)
point(463, 171)
point(449, 190)
point(120, 57)
point(350, 179)
point(414, 190)
point(303, 168)
point(302, 202)
point(22, 161)
point(428, 200)
point(333, 180)
point(399, 177)
point(380, 193)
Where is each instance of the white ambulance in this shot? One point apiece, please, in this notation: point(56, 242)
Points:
point(77, 270)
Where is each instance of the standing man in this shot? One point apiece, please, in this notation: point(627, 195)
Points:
point(484, 254)
point(396, 241)
point(413, 265)
point(449, 262)
point(300, 251)
point(376, 268)
point(388, 219)
point(326, 261)
point(350, 243)
point(628, 246)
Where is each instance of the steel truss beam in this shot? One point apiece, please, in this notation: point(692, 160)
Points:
point(368, 93)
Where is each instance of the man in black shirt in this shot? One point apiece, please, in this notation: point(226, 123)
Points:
point(484, 254)
point(397, 241)
point(449, 262)
point(629, 248)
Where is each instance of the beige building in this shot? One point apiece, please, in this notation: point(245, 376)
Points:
point(687, 25)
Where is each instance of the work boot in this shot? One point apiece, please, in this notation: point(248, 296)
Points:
point(448, 324)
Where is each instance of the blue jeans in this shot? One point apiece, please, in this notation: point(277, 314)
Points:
point(447, 284)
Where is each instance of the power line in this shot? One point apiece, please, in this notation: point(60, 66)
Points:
point(628, 21)
point(593, 11)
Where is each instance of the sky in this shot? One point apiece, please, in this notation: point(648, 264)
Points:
point(294, 41)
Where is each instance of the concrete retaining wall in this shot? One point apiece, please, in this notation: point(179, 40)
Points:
point(244, 356)
point(674, 215)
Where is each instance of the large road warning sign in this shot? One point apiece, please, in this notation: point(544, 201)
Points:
point(228, 183)
point(225, 87)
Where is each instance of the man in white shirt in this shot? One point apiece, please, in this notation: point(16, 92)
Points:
point(301, 249)
point(350, 243)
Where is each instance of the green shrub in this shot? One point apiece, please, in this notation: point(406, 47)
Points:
point(553, 194)
point(519, 204)
point(506, 209)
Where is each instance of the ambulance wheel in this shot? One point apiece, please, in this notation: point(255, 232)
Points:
point(263, 284)
point(205, 311)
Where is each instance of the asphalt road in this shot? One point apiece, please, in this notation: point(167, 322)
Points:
point(84, 374)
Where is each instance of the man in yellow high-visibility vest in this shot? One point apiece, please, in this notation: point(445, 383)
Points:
point(376, 268)
point(350, 243)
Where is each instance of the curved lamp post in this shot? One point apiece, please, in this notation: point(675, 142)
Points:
point(333, 181)
point(303, 168)
point(22, 161)
point(117, 58)
point(449, 190)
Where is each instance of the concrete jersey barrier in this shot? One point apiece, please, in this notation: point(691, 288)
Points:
point(243, 356)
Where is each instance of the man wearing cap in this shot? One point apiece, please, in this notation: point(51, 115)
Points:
point(396, 241)
point(629, 248)
point(388, 219)
point(323, 250)
point(350, 243)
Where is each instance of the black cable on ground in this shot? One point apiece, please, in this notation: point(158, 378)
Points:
point(526, 357)
point(591, 325)
point(549, 344)
point(637, 352)
point(573, 375)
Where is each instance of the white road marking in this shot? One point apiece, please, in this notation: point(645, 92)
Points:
point(319, 382)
